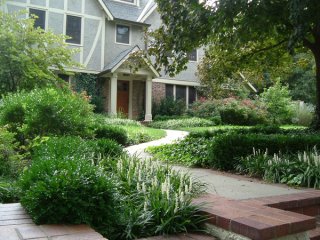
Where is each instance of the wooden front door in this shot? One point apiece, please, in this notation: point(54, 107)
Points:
point(123, 98)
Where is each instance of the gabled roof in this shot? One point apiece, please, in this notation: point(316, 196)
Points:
point(129, 12)
point(122, 57)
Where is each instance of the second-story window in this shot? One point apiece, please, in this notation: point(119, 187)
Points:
point(193, 56)
point(73, 29)
point(40, 20)
point(123, 34)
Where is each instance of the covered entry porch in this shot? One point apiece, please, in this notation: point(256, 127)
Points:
point(126, 92)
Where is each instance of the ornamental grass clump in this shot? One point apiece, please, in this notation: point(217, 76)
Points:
point(159, 199)
point(299, 169)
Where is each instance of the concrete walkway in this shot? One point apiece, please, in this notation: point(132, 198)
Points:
point(15, 224)
point(222, 184)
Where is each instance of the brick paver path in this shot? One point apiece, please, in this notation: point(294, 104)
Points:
point(15, 224)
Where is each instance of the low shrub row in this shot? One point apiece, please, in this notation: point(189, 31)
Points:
point(226, 149)
point(300, 169)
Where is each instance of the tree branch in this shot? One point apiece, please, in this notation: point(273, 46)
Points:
point(266, 48)
point(308, 44)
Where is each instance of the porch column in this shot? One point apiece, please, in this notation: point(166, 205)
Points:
point(148, 116)
point(113, 94)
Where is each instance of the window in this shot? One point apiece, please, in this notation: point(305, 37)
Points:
point(192, 95)
point(64, 77)
point(40, 21)
point(169, 91)
point(192, 56)
point(73, 29)
point(123, 34)
point(180, 92)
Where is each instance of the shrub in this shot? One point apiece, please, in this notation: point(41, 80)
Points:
point(159, 199)
point(168, 107)
point(11, 162)
point(259, 129)
point(303, 114)
point(278, 102)
point(228, 148)
point(89, 83)
point(111, 132)
point(46, 112)
point(182, 123)
point(192, 151)
point(8, 192)
point(241, 112)
point(71, 192)
point(204, 109)
point(74, 147)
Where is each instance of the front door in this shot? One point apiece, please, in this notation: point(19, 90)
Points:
point(123, 98)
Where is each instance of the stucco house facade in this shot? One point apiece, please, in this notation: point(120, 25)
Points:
point(107, 33)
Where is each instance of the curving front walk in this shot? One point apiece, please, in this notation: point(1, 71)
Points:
point(223, 184)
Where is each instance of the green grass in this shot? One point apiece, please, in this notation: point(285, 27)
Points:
point(139, 134)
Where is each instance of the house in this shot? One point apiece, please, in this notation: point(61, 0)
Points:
point(107, 33)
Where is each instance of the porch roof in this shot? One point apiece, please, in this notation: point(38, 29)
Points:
point(122, 57)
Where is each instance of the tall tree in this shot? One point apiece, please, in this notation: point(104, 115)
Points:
point(249, 33)
point(29, 56)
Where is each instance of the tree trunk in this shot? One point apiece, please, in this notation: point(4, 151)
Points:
point(316, 53)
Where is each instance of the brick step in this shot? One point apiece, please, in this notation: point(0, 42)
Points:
point(315, 234)
point(263, 218)
point(191, 236)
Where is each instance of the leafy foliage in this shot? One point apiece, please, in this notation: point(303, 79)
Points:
point(227, 149)
point(181, 123)
point(11, 162)
point(301, 80)
point(30, 56)
point(168, 107)
point(242, 36)
point(278, 103)
point(303, 114)
point(69, 191)
point(192, 151)
point(9, 192)
point(75, 148)
point(115, 133)
point(301, 169)
point(46, 111)
point(90, 84)
point(158, 199)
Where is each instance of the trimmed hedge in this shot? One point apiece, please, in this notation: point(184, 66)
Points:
point(117, 134)
point(273, 129)
point(227, 149)
point(71, 192)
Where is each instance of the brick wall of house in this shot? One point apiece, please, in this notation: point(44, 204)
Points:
point(158, 91)
point(138, 99)
point(106, 93)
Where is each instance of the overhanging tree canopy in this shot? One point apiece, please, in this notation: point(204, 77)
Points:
point(249, 33)
point(30, 56)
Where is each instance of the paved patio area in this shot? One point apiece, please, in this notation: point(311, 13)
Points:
point(15, 224)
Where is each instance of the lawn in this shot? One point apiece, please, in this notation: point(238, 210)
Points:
point(139, 134)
